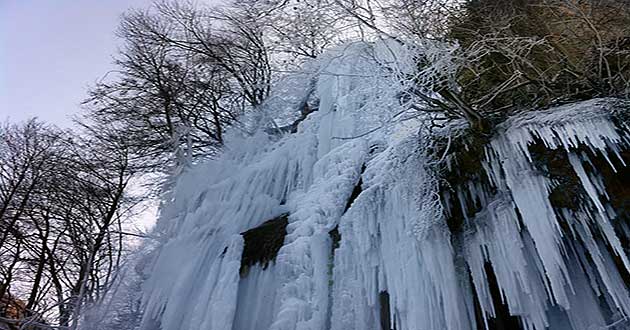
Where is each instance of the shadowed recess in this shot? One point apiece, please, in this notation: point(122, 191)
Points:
point(263, 243)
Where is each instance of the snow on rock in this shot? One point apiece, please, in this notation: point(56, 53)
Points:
point(362, 165)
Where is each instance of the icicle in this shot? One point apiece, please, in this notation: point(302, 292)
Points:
point(509, 165)
point(383, 249)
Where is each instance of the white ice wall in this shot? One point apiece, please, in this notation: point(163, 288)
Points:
point(394, 237)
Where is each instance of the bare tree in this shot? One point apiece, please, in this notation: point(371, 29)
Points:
point(231, 40)
point(64, 199)
point(180, 83)
point(29, 154)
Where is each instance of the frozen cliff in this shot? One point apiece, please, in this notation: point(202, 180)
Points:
point(366, 217)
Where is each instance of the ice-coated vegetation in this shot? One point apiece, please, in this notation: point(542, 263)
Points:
point(370, 243)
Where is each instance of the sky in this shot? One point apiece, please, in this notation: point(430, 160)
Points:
point(51, 51)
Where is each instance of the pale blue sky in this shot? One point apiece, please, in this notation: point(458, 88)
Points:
point(51, 50)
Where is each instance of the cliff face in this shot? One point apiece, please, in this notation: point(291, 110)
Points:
point(367, 218)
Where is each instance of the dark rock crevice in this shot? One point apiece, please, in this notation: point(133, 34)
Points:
point(385, 311)
point(262, 243)
point(356, 191)
point(503, 319)
point(335, 235)
point(463, 166)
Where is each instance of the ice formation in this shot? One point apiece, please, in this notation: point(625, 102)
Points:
point(543, 255)
point(368, 242)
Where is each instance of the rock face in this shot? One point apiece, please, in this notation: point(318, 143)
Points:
point(401, 228)
point(261, 244)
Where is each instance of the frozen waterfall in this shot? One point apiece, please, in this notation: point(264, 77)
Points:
point(369, 219)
